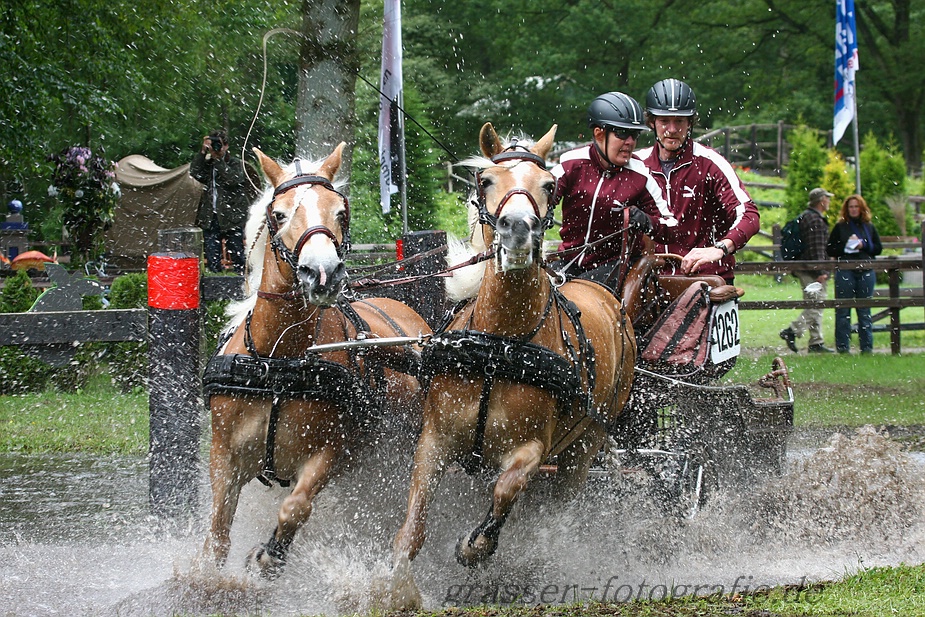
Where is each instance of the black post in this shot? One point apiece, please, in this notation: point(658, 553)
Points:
point(426, 296)
point(175, 400)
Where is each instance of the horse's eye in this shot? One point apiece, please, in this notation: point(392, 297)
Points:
point(549, 188)
point(342, 219)
point(279, 217)
point(485, 183)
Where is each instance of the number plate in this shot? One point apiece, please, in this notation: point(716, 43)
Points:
point(725, 341)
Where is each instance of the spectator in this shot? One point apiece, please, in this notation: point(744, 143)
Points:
point(597, 183)
point(814, 230)
point(716, 216)
point(854, 239)
point(225, 200)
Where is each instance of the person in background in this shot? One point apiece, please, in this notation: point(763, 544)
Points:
point(605, 190)
point(854, 239)
point(224, 205)
point(716, 216)
point(814, 230)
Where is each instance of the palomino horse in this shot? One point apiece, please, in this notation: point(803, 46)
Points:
point(282, 411)
point(523, 372)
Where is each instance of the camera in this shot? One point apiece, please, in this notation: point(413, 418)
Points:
point(216, 144)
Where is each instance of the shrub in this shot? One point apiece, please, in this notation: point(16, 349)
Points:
point(128, 362)
point(18, 294)
point(805, 171)
point(883, 176)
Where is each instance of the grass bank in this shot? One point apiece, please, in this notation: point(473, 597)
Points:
point(874, 592)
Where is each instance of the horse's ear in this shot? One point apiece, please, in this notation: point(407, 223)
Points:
point(332, 163)
point(544, 145)
point(271, 168)
point(489, 141)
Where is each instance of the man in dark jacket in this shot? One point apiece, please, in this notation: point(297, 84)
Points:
point(224, 204)
point(814, 231)
point(605, 190)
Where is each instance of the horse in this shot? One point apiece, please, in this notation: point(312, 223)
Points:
point(281, 411)
point(523, 373)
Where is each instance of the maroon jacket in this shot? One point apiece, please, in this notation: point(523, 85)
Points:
point(709, 201)
point(593, 199)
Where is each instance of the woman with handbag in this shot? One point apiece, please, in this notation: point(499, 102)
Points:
point(854, 239)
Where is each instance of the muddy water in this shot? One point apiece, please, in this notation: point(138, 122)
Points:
point(76, 538)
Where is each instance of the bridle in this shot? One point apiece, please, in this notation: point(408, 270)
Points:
point(513, 153)
point(291, 257)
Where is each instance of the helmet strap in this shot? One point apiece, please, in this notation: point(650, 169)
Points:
point(603, 153)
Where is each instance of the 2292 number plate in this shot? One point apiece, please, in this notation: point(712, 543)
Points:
point(725, 340)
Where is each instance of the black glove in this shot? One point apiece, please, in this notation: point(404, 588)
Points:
point(640, 221)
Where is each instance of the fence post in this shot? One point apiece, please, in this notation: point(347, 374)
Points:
point(175, 400)
point(775, 239)
point(895, 327)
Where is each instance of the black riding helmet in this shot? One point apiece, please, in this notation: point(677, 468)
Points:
point(671, 97)
point(616, 110)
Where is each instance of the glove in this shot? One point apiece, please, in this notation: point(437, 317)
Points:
point(640, 221)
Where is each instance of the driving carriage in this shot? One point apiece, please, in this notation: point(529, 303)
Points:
point(528, 377)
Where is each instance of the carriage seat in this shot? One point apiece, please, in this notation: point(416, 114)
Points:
point(720, 291)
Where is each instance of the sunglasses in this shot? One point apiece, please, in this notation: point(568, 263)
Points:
point(624, 134)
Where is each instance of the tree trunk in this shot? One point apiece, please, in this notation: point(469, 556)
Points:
point(327, 79)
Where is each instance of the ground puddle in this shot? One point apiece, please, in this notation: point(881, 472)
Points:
point(854, 502)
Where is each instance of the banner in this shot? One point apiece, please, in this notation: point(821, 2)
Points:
point(391, 125)
point(846, 63)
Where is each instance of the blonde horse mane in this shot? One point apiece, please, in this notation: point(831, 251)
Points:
point(255, 244)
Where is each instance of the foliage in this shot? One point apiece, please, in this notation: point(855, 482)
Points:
point(128, 361)
point(836, 179)
point(18, 293)
point(19, 372)
point(82, 72)
point(84, 183)
point(883, 176)
point(214, 321)
point(804, 173)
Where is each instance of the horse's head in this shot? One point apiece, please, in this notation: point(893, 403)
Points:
point(515, 198)
point(308, 222)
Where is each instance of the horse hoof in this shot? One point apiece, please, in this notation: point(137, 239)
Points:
point(260, 561)
point(473, 550)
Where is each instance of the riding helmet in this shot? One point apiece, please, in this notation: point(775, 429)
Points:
point(671, 97)
point(616, 110)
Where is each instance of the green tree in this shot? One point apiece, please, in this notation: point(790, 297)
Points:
point(805, 170)
point(837, 179)
point(883, 176)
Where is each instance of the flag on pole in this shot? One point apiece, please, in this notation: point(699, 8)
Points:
point(846, 63)
point(391, 126)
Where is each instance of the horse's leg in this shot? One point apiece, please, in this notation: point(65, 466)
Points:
point(230, 467)
point(399, 591)
point(226, 490)
point(429, 466)
point(269, 559)
point(481, 543)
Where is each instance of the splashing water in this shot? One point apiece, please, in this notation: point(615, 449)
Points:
point(90, 548)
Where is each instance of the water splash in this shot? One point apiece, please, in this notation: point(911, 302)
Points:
point(855, 501)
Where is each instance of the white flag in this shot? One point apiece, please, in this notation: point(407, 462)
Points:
point(391, 122)
point(846, 63)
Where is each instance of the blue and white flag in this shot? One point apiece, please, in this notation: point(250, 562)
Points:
point(391, 126)
point(846, 63)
